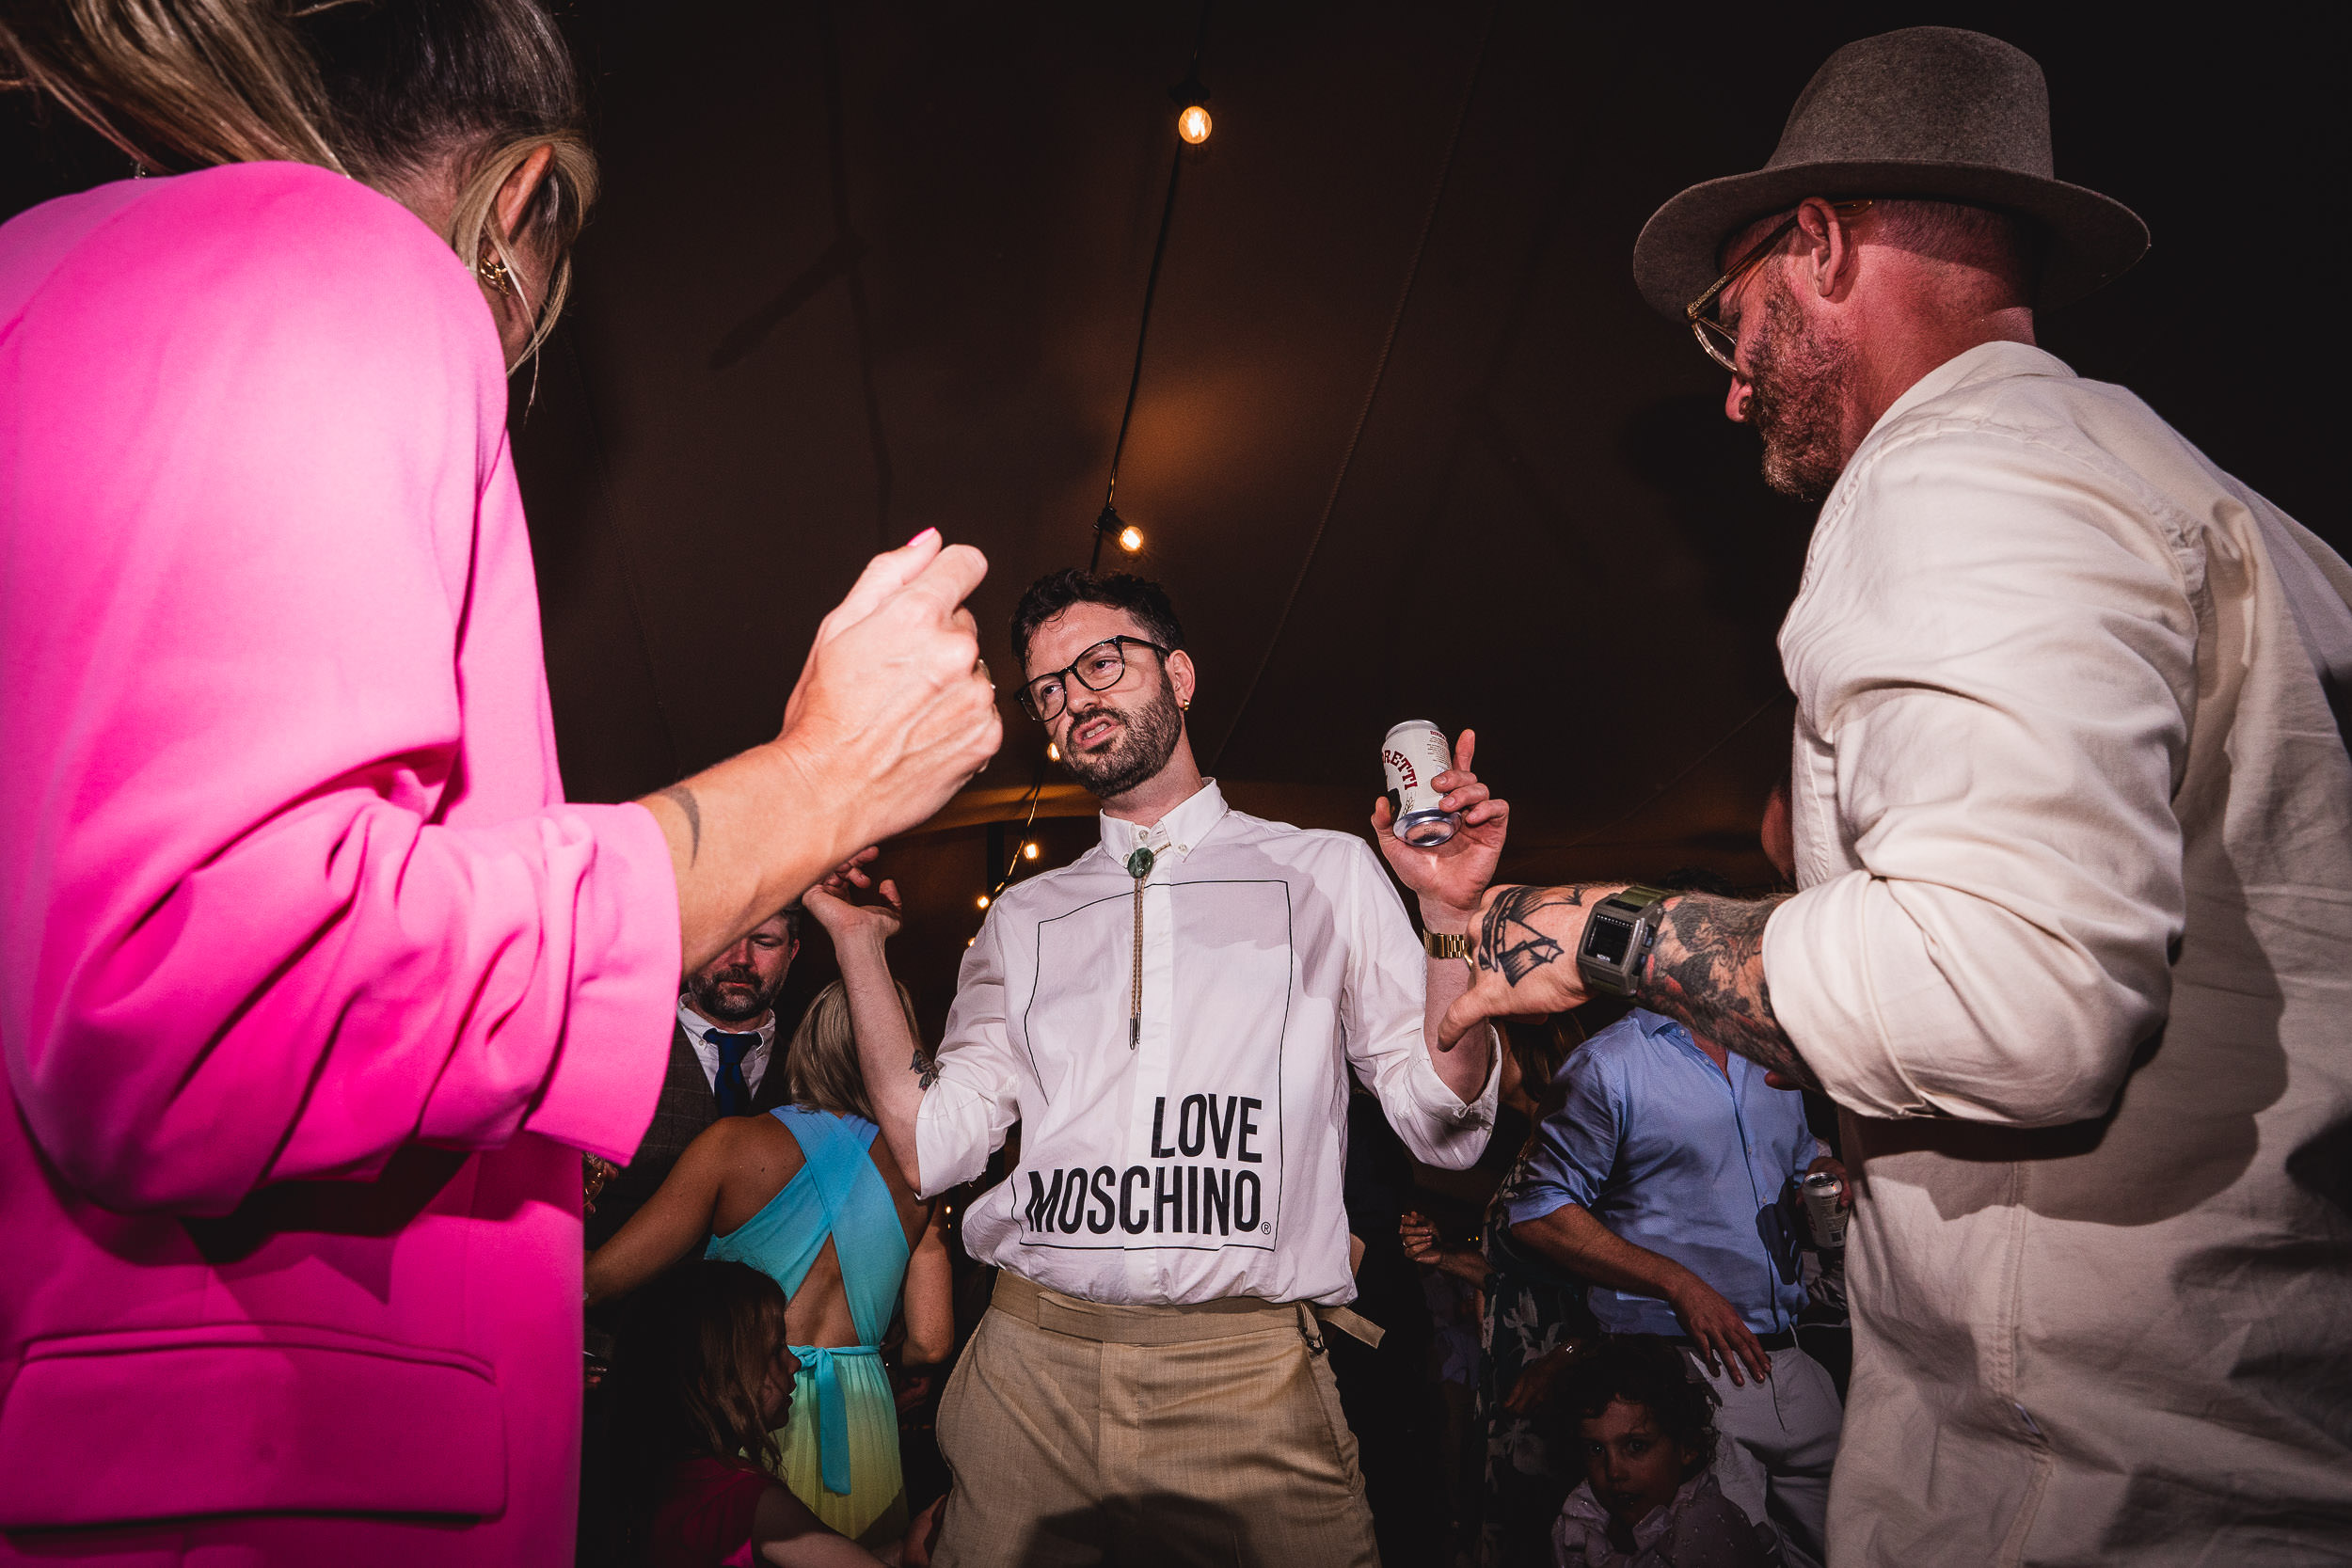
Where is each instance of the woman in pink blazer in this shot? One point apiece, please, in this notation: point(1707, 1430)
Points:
point(312, 990)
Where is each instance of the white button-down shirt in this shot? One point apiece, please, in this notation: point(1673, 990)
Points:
point(1204, 1161)
point(2073, 824)
point(756, 1060)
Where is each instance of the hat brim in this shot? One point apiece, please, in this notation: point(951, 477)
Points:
point(2093, 239)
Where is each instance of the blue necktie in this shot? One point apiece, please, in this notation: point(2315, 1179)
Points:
point(735, 1094)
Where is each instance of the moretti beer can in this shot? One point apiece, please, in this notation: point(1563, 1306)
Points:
point(1824, 1209)
point(1415, 752)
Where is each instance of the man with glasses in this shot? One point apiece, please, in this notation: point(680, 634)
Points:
point(1172, 1018)
point(2074, 835)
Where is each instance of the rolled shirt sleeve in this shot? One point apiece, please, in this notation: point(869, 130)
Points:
point(1997, 656)
point(976, 1097)
point(1575, 1146)
point(1383, 1012)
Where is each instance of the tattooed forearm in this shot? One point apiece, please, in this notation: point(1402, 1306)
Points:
point(683, 797)
point(1508, 943)
point(1707, 971)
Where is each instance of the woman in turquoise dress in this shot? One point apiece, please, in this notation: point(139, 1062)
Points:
point(809, 1196)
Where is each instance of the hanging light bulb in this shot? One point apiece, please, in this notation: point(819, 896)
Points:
point(1131, 539)
point(1029, 852)
point(983, 900)
point(1192, 124)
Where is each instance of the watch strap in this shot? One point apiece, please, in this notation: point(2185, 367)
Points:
point(1446, 945)
point(1640, 896)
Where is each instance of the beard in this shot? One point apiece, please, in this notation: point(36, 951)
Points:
point(1797, 382)
point(723, 1007)
point(1146, 738)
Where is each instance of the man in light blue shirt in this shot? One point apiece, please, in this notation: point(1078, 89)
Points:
point(1668, 1178)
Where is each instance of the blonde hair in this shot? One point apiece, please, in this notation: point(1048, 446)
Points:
point(822, 1071)
point(378, 89)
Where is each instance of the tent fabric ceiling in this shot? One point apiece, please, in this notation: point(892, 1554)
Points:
point(861, 269)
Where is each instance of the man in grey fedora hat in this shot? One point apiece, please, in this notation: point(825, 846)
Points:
point(2073, 833)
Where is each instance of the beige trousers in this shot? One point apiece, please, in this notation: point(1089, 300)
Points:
point(1084, 1434)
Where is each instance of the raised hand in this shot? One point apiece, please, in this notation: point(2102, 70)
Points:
point(851, 873)
point(894, 710)
point(844, 920)
point(1453, 875)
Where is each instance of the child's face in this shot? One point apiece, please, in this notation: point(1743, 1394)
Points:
point(783, 1367)
point(1634, 1467)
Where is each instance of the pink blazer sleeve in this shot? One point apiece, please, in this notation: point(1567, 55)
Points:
point(288, 882)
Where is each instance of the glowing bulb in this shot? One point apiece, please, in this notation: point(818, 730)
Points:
point(1052, 753)
point(1029, 852)
point(1131, 539)
point(983, 900)
point(1192, 124)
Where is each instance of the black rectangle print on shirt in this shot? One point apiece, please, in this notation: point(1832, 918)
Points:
point(1197, 1163)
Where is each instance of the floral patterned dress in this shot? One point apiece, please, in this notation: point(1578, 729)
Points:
point(1534, 1306)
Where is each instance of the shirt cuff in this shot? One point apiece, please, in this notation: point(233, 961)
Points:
point(1439, 1100)
point(1536, 1202)
point(952, 1145)
point(624, 966)
point(1818, 971)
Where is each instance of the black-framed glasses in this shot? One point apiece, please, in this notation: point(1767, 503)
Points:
point(1720, 343)
point(1098, 669)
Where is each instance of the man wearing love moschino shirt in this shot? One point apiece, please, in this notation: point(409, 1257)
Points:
point(1172, 1018)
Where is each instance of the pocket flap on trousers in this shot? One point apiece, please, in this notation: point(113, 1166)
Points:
point(243, 1418)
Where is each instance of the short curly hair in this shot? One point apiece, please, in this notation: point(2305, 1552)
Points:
point(1056, 592)
point(1644, 1369)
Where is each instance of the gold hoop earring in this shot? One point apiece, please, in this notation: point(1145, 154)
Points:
point(492, 270)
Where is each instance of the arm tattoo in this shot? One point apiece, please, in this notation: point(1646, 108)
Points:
point(683, 797)
point(926, 1071)
point(1508, 943)
point(1707, 973)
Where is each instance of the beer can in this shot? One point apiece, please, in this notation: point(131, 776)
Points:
point(1824, 1207)
point(1415, 752)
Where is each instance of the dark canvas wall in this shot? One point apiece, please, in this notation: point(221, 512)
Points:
point(862, 268)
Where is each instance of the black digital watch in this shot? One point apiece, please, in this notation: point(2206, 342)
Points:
point(1617, 938)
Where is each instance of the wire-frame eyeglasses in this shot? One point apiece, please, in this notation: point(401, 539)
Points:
point(1098, 669)
point(1720, 343)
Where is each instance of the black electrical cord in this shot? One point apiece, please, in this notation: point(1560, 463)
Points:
point(1107, 522)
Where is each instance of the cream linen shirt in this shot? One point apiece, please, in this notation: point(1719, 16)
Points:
point(1206, 1160)
point(2073, 952)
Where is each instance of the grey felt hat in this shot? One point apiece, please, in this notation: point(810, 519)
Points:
point(1926, 111)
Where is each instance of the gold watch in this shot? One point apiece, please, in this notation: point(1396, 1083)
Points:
point(1446, 945)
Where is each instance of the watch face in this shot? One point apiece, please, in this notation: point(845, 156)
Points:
point(1606, 938)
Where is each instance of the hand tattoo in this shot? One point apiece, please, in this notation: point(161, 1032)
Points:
point(683, 797)
point(1707, 971)
point(1508, 943)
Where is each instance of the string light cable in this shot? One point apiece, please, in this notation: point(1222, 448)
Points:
point(1192, 128)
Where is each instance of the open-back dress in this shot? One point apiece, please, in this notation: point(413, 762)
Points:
point(840, 1444)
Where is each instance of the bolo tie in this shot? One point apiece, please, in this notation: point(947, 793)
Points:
point(1139, 867)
